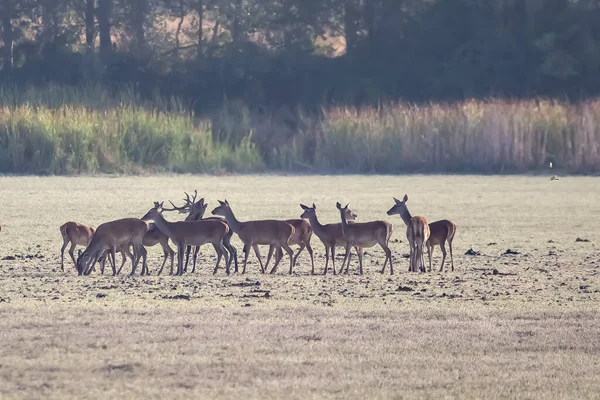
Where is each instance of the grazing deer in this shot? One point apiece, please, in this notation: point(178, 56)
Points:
point(78, 235)
point(111, 236)
point(364, 235)
point(191, 233)
point(302, 235)
point(153, 237)
point(260, 232)
point(440, 232)
point(330, 234)
point(195, 211)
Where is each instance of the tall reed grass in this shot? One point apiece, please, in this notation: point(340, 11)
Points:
point(64, 130)
point(473, 136)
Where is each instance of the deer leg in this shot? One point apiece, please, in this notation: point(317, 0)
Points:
point(333, 259)
point(277, 259)
point(219, 251)
point(350, 258)
point(451, 258)
point(194, 258)
point(144, 254)
point(165, 255)
point(312, 258)
point(102, 261)
point(302, 246)
point(187, 256)
point(345, 258)
point(62, 255)
point(290, 252)
point(271, 249)
point(443, 247)
point(113, 255)
point(411, 267)
point(246, 253)
point(232, 251)
point(180, 251)
point(171, 256)
point(388, 256)
point(326, 259)
point(257, 252)
point(124, 254)
point(360, 258)
point(429, 253)
point(422, 258)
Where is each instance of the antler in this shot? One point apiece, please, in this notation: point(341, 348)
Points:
point(189, 203)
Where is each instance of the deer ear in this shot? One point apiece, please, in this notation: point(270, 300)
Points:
point(314, 207)
point(226, 202)
point(303, 207)
point(405, 198)
point(338, 205)
point(397, 201)
point(201, 201)
point(221, 203)
point(346, 206)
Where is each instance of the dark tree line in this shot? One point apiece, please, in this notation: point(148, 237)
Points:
point(307, 52)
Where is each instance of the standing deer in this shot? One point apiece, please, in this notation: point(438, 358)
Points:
point(302, 235)
point(153, 237)
point(330, 234)
point(260, 232)
point(195, 211)
point(191, 233)
point(440, 232)
point(111, 236)
point(78, 235)
point(364, 235)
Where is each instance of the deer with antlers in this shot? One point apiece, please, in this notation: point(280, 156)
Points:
point(440, 232)
point(330, 234)
point(196, 210)
point(364, 235)
point(259, 232)
point(191, 233)
point(111, 236)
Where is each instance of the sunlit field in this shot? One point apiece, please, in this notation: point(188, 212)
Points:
point(522, 323)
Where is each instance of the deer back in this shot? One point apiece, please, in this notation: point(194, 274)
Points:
point(266, 232)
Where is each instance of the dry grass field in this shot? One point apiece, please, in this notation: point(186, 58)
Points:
point(530, 329)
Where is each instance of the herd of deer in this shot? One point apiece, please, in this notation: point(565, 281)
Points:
point(195, 231)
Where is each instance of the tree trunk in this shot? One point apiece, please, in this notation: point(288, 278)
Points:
point(369, 13)
point(49, 20)
point(200, 10)
point(236, 29)
point(89, 23)
point(103, 13)
point(139, 11)
point(7, 34)
point(351, 25)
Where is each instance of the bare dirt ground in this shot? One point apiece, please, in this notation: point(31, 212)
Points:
point(530, 329)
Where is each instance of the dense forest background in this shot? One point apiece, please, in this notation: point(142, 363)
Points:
point(308, 52)
point(306, 85)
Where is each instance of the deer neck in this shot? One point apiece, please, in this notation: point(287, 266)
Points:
point(163, 225)
point(234, 224)
point(344, 222)
point(315, 224)
point(405, 215)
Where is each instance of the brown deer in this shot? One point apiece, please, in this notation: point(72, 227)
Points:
point(440, 231)
point(77, 235)
point(302, 235)
point(191, 233)
point(330, 234)
point(111, 236)
point(364, 235)
point(260, 232)
point(153, 237)
point(195, 210)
